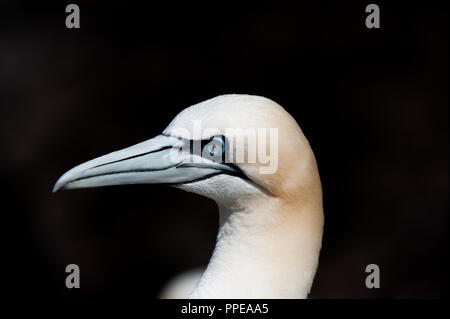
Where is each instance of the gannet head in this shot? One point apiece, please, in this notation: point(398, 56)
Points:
point(227, 148)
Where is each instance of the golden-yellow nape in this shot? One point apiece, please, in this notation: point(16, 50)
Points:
point(250, 156)
point(241, 117)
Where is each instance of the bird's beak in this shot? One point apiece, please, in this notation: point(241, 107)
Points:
point(162, 159)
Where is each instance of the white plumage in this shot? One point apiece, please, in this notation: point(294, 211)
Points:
point(271, 225)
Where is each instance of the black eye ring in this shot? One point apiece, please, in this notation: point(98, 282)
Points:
point(214, 143)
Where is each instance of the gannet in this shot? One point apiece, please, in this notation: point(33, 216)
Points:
point(270, 218)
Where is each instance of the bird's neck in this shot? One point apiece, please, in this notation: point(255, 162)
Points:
point(265, 250)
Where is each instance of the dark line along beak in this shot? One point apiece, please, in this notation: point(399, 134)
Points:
point(161, 160)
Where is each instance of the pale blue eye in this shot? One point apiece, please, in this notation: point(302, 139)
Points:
point(215, 147)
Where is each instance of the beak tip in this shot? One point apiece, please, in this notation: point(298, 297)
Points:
point(56, 188)
point(60, 184)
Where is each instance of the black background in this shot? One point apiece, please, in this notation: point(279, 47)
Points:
point(373, 104)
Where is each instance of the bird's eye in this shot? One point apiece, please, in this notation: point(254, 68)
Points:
point(215, 147)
